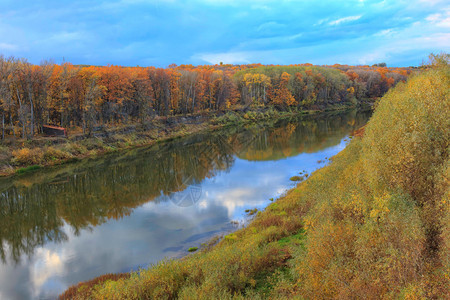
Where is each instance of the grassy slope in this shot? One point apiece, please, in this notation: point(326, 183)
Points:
point(373, 224)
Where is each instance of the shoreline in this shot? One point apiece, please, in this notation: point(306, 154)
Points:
point(47, 152)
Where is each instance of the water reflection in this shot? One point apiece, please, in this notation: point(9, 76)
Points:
point(69, 224)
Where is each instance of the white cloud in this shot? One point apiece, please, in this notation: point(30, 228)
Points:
point(65, 36)
point(386, 32)
point(321, 21)
point(47, 264)
point(433, 17)
point(270, 26)
point(238, 197)
point(440, 19)
point(261, 7)
point(226, 58)
point(370, 58)
point(10, 47)
point(343, 20)
point(432, 2)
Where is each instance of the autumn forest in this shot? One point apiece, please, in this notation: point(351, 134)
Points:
point(85, 97)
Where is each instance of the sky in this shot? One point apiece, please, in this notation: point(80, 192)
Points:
point(162, 32)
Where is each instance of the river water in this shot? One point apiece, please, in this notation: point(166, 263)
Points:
point(124, 211)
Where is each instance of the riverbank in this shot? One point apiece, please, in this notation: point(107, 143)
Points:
point(374, 223)
point(22, 156)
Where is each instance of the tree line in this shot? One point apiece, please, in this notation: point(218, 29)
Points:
point(88, 96)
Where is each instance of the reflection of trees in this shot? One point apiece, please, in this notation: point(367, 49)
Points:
point(27, 222)
point(34, 208)
point(295, 136)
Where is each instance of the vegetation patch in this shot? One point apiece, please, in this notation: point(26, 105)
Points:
point(251, 212)
point(28, 169)
point(296, 178)
point(27, 156)
point(84, 289)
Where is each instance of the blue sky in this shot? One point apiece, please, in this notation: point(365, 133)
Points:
point(161, 32)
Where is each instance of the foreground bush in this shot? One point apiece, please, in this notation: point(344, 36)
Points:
point(26, 156)
point(377, 228)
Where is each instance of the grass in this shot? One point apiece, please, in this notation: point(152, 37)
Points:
point(293, 240)
point(367, 225)
point(251, 212)
point(28, 169)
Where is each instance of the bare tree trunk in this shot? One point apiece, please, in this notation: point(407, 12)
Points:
point(264, 94)
point(22, 117)
point(187, 99)
point(193, 102)
point(210, 100)
point(32, 117)
point(12, 125)
point(3, 126)
point(61, 95)
point(84, 122)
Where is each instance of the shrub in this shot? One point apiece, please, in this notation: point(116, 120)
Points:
point(83, 289)
point(231, 237)
point(26, 156)
point(375, 228)
point(229, 118)
point(406, 141)
point(5, 154)
point(93, 144)
point(52, 153)
point(75, 148)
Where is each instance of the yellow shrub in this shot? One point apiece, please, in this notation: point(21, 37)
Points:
point(406, 141)
point(26, 156)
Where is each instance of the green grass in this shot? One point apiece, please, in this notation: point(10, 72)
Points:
point(28, 169)
point(293, 240)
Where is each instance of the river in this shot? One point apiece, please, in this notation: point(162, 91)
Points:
point(124, 211)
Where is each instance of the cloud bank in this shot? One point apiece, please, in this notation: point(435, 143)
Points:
point(161, 32)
